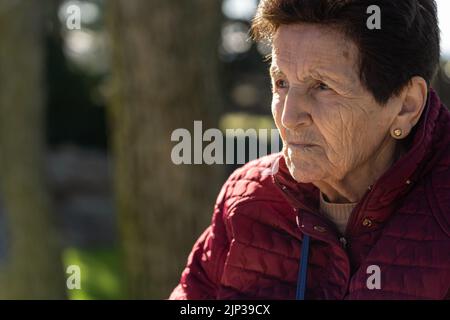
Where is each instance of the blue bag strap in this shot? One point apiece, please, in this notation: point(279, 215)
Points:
point(301, 282)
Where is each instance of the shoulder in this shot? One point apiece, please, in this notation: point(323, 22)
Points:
point(437, 181)
point(439, 195)
point(258, 170)
point(253, 175)
point(252, 182)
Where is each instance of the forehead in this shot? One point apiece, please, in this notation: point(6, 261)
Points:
point(310, 46)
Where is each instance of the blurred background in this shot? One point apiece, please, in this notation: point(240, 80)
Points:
point(86, 116)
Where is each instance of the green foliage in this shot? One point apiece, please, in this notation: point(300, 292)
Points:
point(101, 278)
point(241, 120)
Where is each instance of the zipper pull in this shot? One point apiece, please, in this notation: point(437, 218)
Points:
point(343, 241)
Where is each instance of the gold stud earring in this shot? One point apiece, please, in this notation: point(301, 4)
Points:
point(398, 133)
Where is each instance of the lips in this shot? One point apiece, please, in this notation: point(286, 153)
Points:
point(300, 140)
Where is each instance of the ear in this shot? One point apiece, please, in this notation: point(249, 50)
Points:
point(414, 98)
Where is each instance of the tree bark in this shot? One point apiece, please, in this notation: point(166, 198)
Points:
point(34, 267)
point(164, 78)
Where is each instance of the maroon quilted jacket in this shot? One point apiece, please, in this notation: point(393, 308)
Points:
point(402, 225)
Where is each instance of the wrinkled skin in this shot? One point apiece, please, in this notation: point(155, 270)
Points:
point(319, 99)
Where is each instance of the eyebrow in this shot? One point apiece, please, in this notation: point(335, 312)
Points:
point(315, 74)
point(275, 71)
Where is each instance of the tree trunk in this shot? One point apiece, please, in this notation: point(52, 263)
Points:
point(34, 267)
point(164, 78)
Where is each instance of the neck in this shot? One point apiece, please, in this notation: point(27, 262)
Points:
point(355, 184)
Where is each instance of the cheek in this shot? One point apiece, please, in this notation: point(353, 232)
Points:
point(277, 106)
point(334, 124)
point(338, 125)
point(351, 132)
point(277, 112)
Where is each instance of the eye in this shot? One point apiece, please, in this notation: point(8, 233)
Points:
point(322, 86)
point(281, 84)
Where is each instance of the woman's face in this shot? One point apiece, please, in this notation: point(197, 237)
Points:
point(329, 123)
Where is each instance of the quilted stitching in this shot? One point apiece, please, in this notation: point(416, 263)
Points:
point(252, 248)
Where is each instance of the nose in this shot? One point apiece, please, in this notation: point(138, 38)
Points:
point(295, 111)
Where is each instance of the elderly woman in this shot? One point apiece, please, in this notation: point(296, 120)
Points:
point(359, 207)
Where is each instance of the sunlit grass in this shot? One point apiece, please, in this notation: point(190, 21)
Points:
point(100, 273)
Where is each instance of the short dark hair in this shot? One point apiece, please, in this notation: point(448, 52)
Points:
point(407, 45)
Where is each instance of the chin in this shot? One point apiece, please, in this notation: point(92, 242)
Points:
point(301, 171)
point(301, 176)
